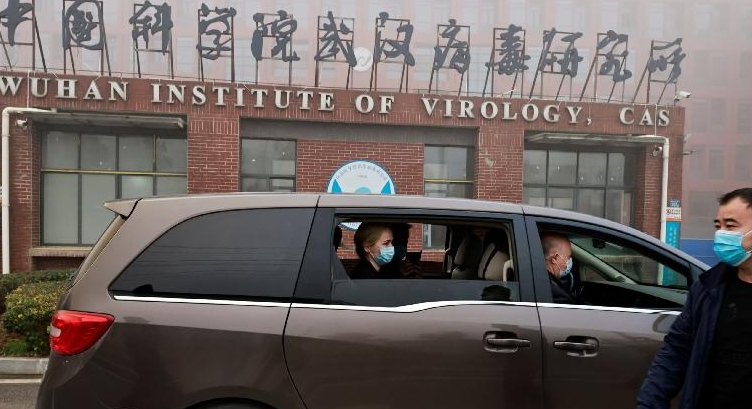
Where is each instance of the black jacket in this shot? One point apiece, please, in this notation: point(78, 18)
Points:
point(683, 359)
point(560, 291)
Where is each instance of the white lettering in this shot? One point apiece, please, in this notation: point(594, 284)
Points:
point(386, 104)
point(121, 89)
point(93, 92)
point(173, 91)
point(507, 112)
point(199, 95)
point(623, 116)
point(260, 94)
point(466, 109)
point(35, 87)
point(574, 112)
point(663, 118)
point(221, 92)
point(278, 99)
point(429, 104)
point(11, 83)
point(530, 112)
point(305, 102)
point(646, 118)
point(484, 110)
point(359, 104)
point(448, 108)
point(326, 101)
point(551, 117)
point(66, 88)
point(239, 97)
point(155, 92)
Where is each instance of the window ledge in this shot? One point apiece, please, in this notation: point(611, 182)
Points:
point(59, 251)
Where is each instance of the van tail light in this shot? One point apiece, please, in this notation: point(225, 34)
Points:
point(73, 332)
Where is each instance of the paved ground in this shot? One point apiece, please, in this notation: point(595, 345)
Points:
point(18, 392)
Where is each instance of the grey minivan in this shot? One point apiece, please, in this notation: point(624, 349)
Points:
point(247, 301)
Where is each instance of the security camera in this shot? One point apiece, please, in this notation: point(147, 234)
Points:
point(657, 151)
point(682, 95)
point(22, 122)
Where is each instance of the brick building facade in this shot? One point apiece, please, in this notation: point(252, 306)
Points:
point(328, 129)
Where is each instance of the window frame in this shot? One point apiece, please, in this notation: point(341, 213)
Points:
point(118, 174)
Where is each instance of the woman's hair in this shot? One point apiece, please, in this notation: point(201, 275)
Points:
point(367, 234)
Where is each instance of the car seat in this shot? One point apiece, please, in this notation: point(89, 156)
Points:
point(466, 259)
point(495, 255)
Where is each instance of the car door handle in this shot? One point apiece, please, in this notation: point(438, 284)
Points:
point(578, 346)
point(574, 346)
point(504, 342)
point(523, 343)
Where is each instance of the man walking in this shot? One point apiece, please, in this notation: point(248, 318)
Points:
point(708, 351)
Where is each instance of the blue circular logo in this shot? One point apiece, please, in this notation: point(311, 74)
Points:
point(361, 177)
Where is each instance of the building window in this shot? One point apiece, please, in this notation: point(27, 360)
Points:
point(743, 120)
point(718, 115)
point(716, 158)
point(720, 63)
point(744, 17)
point(699, 117)
point(697, 163)
point(743, 168)
point(80, 171)
point(745, 61)
point(267, 165)
point(185, 56)
point(711, 20)
point(596, 183)
point(564, 15)
point(702, 69)
point(295, 70)
point(447, 172)
point(245, 64)
point(475, 77)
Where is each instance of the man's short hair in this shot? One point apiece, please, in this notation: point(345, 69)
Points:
point(551, 242)
point(744, 194)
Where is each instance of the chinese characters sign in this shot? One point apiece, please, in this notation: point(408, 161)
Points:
point(271, 36)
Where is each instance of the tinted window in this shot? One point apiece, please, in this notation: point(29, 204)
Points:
point(243, 254)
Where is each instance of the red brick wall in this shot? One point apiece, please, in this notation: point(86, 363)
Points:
point(23, 194)
point(318, 159)
point(214, 152)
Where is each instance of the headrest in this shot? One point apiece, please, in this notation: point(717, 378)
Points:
point(495, 268)
point(468, 253)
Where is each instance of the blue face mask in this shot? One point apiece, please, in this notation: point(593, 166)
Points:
point(400, 252)
point(386, 255)
point(567, 269)
point(728, 247)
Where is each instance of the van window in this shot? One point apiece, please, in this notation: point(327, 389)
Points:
point(474, 261)
point(241, 254)
point(611, 272)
